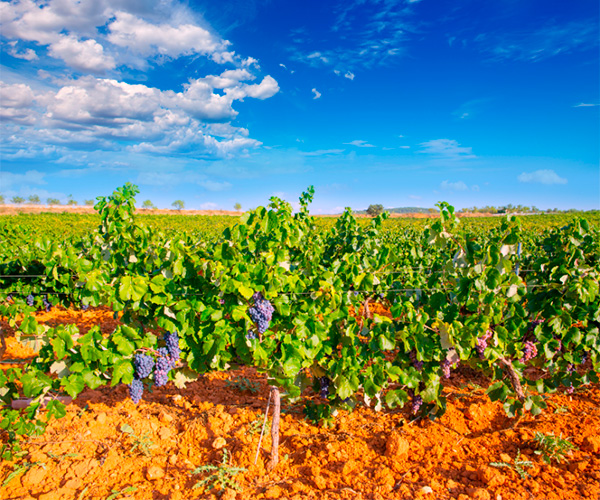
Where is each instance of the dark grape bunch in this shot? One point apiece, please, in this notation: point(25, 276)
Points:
point(30, 300)
point(172, 341)
point(446, 365)
point(144, 364)
point(84, 307)
point(482, 343)
point(416, 403)
point(251, 335)
point(324, 383)
point(529, 351)
point(136, 389)
point(261, 312)
point(47, 304)
point(413, 359)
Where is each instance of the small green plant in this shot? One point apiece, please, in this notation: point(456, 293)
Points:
point(517, 465)
point(255, 426)
point(561, 409)
point(141, 444)
point(553, 447)
point(19, 469)
point(60, 458)
point(116, 493)
point(222, 475)
point(243, 384)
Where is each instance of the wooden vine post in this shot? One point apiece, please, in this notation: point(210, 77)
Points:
point(276, 396)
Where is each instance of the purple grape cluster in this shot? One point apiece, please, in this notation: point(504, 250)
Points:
point(29, 300)
point(535, 323)
point(446, 366)
point(261, 312)
point(416, 403)
point(84, 307)
point(529, 351)
point(413, 359)
point(47, 304)
point(324, 383)
point(136, 389)
point(172, 342)
point(251, 335)
point(482, 343)
point(143, 365)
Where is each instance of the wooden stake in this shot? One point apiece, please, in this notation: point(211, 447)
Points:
point(275, 427)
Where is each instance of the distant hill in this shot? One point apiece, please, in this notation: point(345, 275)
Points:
point(402, 210)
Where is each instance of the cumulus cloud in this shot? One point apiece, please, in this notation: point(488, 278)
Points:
point(82, 111)
point(454, 186)
point(316, 93)
point(360, 144)
point(547, 177)
point(16, 103)
point(147, 39)
point(447, 149)
point(85, 55)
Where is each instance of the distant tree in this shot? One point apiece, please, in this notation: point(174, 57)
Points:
point(71, 201)
point(34, 198)
point(148, 204)
point(374, 210)
point(432, 210)
point(237, 206)
point(17, 200)
point(178, 204)
point(53, 201)
point(1, 199)
point(89, 203)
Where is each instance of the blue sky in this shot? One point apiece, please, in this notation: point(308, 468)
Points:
point(398, 102)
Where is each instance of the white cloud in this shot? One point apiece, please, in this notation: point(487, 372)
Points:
point(349, 75)
point(148, 39)
point(360, 144)
point(585, 105)
point(454, 186)
point(27, 54)
point(404, 147)
point(547, 177)
point(447, 149)
point(215, 186)
point(316, 93)
point(16, 103)
point(85, 55)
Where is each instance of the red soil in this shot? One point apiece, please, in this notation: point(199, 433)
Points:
point(365, 455)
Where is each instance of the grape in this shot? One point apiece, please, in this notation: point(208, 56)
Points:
point(136, 389)
point(413, 358)
point(570, 389)
point(84, 307)
point(172, 341)
point(30, 300)
point(251, 335)
point(143, 365)
point(446, 366)
point(416, 404)
point(161, 377)
point(47, 304)
point(529, 351)
point(261, 312)
point(164, 361)
point(324, 382)
point(482, 343)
